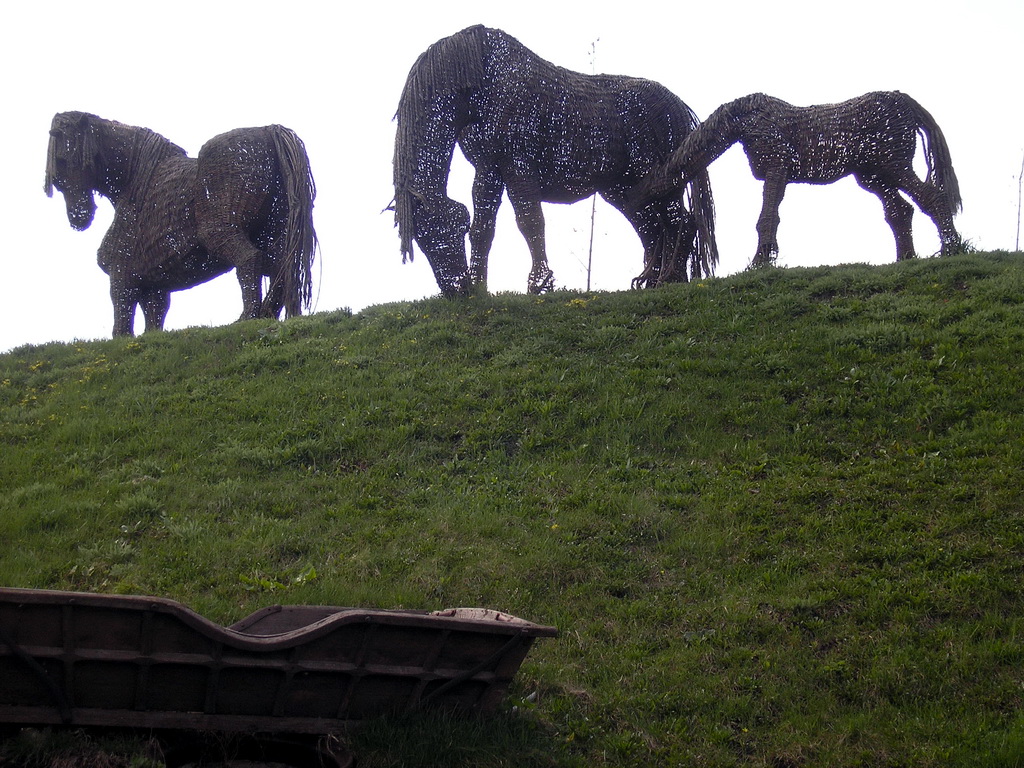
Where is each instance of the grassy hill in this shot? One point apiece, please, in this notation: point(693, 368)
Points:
point(777, 517)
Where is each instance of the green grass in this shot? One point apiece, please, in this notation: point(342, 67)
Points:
point(775, 516)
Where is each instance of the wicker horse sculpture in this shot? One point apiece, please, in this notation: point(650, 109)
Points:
point(543, 134)
point(873, 137)
point(244, 203)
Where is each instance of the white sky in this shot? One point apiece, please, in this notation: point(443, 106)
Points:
point(190, 70)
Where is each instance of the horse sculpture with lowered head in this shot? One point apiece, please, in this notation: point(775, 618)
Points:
point(541, 133)
point(873, 137)
point(244, 203)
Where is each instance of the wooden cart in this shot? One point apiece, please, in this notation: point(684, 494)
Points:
point(70, 658)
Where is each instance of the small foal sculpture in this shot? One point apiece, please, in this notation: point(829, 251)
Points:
point(872, 137)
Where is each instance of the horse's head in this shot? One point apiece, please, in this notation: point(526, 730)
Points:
point(666, 229)
point(71, 166)
point(440, 226)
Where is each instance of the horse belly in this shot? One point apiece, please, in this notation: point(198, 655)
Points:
point(189, 271)
point(547, 148)
point(827, 162)
point(581, 161)
point(168, 253)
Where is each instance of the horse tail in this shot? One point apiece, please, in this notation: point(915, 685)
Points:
point(936, 152)
point(300, 240)
point(426, 116)
point(702, 208)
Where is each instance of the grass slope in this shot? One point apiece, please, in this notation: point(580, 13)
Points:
point(776, 516)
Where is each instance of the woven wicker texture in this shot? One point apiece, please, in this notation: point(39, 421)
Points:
point(540, 133)
point(872, 137)
point(244, 203)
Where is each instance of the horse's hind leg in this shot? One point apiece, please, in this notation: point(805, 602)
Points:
point(899, 214)
point(530, 218)
point(273, 303)
point(231, 243)
point(931, 200)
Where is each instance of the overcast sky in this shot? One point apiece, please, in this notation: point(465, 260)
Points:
point(192, 70)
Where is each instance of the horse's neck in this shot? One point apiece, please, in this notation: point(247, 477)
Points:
point(702, 147)
point(430, 144)
point(434, 107)
point(129, 157)
point(727, 125)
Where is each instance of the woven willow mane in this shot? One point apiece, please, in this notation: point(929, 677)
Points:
point(75, 138)
point(147, 150)
point(444, 73)
point(69, 131)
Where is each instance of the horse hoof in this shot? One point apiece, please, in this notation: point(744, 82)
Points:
point(541, 283)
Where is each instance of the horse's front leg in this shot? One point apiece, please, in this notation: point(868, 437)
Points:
point(768, 221)
point(125, 299)
point(530, 218)
point(487, 189)
point(155, 305)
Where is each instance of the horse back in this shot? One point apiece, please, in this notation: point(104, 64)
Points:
point(655, 121)
point(824, 142)
point(870, 133)
point(567, 132)
point(237, 176)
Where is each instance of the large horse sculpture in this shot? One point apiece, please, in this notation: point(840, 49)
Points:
point(873, 137)
point(244, 203)
point(541, 133)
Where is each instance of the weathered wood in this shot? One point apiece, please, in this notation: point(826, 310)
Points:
point(82, 659)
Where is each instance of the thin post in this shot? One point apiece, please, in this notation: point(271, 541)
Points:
point(1020, 183)
point(593, 199)
point(590, 251)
